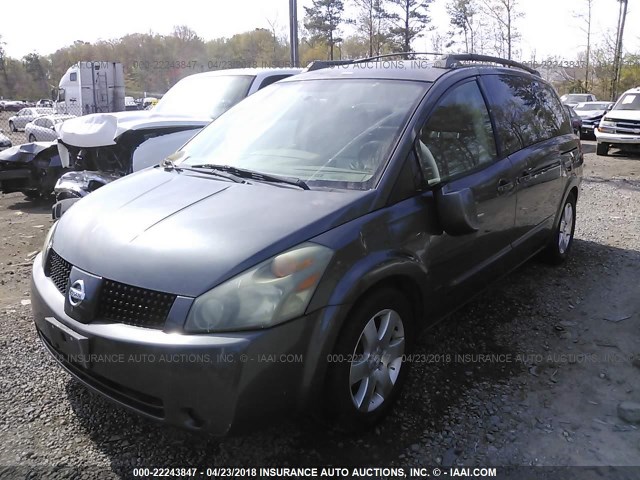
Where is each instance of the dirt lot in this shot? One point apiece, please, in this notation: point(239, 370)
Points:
point(565, 345)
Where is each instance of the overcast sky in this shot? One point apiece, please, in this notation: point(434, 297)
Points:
point(548, 27)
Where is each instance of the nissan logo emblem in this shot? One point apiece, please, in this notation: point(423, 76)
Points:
point(76, 293)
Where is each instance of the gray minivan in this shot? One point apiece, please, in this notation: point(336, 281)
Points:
point(290, 253)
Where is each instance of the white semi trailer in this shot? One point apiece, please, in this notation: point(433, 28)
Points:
point(91, 87)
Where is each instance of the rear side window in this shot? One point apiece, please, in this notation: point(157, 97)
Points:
point(551, 114)
point(458, 137)
point(526, 111)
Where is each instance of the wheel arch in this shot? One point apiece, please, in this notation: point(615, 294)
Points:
point(571, 188)
point(408, 284)
point(402, 283)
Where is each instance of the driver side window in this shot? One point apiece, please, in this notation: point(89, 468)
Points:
point(458, 137)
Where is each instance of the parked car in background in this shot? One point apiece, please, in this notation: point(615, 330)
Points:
point(573, 99)
point(576, 120)
point(11, 105)
point(130, 104)
point(620, 127)
point(44, 102)
point(30, 168)
point(5, 142)
point(591, 114)
point(26, 115)
point(395, 195)
point(43, 129)
point(117, 144)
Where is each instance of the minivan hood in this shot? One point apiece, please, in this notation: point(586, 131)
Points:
point(624, 114)
point(184, 233)
point(101, 129)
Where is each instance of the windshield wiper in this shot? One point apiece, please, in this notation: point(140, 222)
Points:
point(252, 174)
point(169, 165)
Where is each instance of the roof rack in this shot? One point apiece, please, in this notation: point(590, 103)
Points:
point(445, 61)
point(455, 61)
point(320, 64)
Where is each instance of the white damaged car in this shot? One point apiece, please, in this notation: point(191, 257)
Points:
point(103, 146)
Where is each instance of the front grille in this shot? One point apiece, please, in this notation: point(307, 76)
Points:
point(58, 269)
point(134, 305)
point(118, 302)
point(625, 126)
point(625, 123)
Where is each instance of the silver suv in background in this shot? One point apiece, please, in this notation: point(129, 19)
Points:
point(620, 127)
point(573, 99)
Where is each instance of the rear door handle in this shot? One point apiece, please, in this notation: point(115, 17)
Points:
point(504, 186)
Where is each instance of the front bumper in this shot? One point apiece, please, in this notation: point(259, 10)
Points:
point(616, 138)
point(212, 382)
point(588, 128)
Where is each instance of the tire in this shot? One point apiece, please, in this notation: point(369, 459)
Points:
point(32, 138)
point(32, 194)
point(12, 127)
point(368, 372)
point(560, 246)
point(602, 149)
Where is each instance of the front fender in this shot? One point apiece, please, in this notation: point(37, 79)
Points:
point(372, 269)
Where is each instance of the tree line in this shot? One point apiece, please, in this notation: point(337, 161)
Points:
point(154, 62)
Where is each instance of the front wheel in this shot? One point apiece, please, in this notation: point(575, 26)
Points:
point(369, 367)
point(558, 249)
point(32, 194)
point(32, 138)
point(602, 149)
point(12, 127)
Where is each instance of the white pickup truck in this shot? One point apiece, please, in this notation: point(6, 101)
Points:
point(620, 127)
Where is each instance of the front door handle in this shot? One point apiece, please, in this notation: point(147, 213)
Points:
point(504, 186)
point(568, 164)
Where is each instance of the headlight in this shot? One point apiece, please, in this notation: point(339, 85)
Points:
point(48, 241)
point(607, 126)
point(273, 292)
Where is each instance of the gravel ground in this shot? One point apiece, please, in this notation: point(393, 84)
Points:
point(530, 373)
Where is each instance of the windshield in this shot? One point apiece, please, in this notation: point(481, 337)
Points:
point(204, 96)
point(575, 98)
point(44, 111)
point(629, 101)
point(592, 106)
point(331, 133)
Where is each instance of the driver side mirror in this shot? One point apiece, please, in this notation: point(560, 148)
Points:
point(457, 211)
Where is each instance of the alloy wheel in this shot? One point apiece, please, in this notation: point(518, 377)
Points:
point(566, 228)
point(377, 360)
